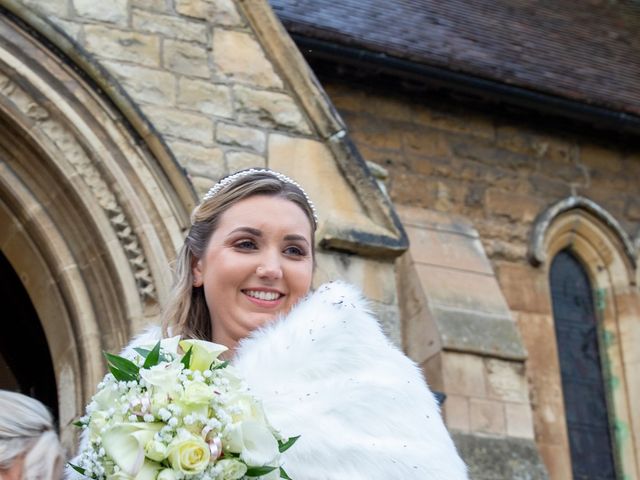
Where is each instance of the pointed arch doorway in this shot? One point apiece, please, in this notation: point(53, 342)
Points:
point(89, 222)
point(24, 368)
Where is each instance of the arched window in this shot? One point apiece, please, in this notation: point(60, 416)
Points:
point(577, 333)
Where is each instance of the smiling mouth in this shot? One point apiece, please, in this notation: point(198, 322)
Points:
point(262, 295)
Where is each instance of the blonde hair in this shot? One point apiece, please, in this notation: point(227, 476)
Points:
point(187, 312)
point(27, 429)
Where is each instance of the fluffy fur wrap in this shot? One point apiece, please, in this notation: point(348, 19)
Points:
point(326, 372)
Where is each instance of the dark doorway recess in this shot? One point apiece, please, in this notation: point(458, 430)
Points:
point(25, 360)
point(581, 370)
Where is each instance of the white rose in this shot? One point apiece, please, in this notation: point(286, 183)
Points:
point(232, 469)
point(167, 474)
point(156, 451)
point(189, 453)
point(249, 408)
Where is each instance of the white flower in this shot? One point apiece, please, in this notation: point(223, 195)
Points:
point(189, 453)
point(203, 353)
point(231, 469)
point(253, 441)
point(125, 444)
point(167, 474)
point(164, 377)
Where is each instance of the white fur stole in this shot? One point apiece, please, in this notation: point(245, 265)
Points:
point(362, 409)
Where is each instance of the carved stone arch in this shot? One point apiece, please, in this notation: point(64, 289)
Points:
point(89, 219)
point(607, 254)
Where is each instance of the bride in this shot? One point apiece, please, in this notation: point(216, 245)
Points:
point(317, 360)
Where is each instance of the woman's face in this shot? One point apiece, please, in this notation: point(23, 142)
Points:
point(257, 265)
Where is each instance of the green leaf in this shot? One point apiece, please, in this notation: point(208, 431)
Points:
point(287, 444)
point(259, 471)
point(186, 360)
point(153, 358)
point(219, 366)
point(78, 424)
point(142, 351)
point(283, 474)
point(76, 468)
point(121, 368)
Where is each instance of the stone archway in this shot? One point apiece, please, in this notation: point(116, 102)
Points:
point(89, 220)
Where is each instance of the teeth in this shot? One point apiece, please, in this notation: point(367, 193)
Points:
point(263, 295)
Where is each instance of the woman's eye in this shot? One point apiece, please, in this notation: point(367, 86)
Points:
point(293, 250)
point(245, 245)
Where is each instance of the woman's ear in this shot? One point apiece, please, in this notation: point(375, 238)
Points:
point(196, 271)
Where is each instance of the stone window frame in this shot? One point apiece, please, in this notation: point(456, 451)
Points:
point(606, 252)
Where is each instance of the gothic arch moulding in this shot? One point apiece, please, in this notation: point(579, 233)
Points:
point(608, 255)
point(89, 219)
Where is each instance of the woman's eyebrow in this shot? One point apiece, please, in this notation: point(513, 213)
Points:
point(253, 231)
point(295, 237)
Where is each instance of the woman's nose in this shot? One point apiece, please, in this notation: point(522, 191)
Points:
point(270, 268)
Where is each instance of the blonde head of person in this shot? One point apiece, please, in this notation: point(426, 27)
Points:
point(29, 445)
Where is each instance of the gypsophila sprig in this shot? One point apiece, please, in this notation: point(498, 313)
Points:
point(177, 412)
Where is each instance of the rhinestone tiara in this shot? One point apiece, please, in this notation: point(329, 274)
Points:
point(228, 180)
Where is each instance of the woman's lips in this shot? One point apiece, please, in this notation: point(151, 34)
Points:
point(264, 298)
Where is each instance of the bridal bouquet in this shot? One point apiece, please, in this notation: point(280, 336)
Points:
point(167, 415)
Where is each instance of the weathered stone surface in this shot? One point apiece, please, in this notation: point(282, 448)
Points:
point(500, 458)
point(519, 420)
point(241, 160)
point(269, 109)
point(114, 11)
point(204, 162)
point(481, 333)
point(239, 57)
point(187, 126)
point(151, 5)
point(525, 287)
point(145, 85)
point(523, 208)
point(205, 97)
point(456, 413)
point(187, 58)
point(388, 318)
point(218, 12)
point(463, 374)
point(506, 381)
point(169, 26)
point(235, 135)
point(72, 29)
point(487, 416)
point(52, 7)
point(122, 45)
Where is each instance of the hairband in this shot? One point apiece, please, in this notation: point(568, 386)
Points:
point(228, 180)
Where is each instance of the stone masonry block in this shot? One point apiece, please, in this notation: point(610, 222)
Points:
point(72, 29)
point(186, 126)
point(169, 26)
point(218, 12)
point(205, 97)
point(448, 249)
point(187, 58)
point(525, 287)
point(239, 136)
point(151, 5)
point(600, 158)
point(461, 289)
point(464, 375)
point(487, 416)
point(269, 109)
point(58, 8)
point(205, 162)
point(519, 420)
point(241, 160)
point(523, 208)
point(145, 85)
point(506, 380)
point(114, 11)
point(456, 413)
point(240, 58)
point(120, 45)
point(426, 142)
